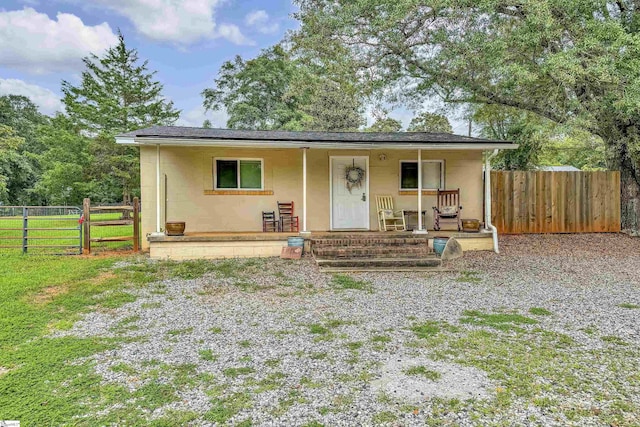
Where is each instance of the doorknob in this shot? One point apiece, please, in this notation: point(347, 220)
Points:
point(364, 197)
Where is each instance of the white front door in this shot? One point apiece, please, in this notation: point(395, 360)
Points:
point(349, 197)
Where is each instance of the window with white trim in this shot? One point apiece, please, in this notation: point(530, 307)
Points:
point(238, 174)
point(432, 175)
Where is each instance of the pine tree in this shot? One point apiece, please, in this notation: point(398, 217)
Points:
point(116, 94)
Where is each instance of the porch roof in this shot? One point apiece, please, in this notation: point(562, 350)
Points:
point(192, 136)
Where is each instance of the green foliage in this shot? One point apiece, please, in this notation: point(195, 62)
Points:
point(117, 94)
point(19, 143)
point(527, 130)
point(276, 91)
point(384, 123)
point(430, 122)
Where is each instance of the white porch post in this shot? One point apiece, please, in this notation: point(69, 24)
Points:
point(158, 188)
point(304, 191)
point(420, 229)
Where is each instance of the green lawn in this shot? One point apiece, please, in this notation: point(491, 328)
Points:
point(39, 295)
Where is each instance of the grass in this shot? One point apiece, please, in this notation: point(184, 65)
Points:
point(208, 355)
point(629, 306)
point(423, 371)
point(539, 311)
point(236, 372)
point(468, 277)
point(501, 321)
point(342, 281)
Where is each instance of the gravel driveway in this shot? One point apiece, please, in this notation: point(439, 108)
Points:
point(546, 333)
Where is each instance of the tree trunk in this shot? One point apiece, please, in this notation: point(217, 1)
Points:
point(629, 192)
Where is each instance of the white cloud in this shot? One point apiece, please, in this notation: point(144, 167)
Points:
point(32, 42)
point(259, 20)
point(177, 21)
point(48, 101)
point(196, 116)
point(234, 35)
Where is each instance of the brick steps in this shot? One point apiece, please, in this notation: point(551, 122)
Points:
point(414, 251)
point(375, 252)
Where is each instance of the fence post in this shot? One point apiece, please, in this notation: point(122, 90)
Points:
point(25, 225)
point(136, 224)
point(86, 213)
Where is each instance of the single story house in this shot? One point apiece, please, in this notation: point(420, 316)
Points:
point(219, 181)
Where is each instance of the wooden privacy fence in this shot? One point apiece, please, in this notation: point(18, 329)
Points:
point(111, 216)
point(555, 202)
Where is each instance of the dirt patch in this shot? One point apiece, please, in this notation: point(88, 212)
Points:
point(452, 381)
point(3, 370)
point(47, 295)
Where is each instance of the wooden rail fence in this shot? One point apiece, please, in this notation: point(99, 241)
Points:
point(130, 215)
point(555, 202)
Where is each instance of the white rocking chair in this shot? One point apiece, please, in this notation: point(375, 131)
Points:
point(388, 218)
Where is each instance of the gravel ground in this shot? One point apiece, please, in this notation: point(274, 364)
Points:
point(280, 343)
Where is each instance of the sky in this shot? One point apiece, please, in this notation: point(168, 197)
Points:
point(42, 42)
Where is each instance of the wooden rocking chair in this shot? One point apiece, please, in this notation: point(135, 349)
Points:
point(288, 221)
point(388, 218)
point(448, 208)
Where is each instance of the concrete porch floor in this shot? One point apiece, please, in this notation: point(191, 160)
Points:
point(212, 245)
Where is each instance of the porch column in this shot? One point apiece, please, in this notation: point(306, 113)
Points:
point(304, 190)
point(420, 229)
point(158, 188)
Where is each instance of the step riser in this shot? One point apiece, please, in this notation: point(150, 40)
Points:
point(371, 252)
point(369, 242)
point(387, 263)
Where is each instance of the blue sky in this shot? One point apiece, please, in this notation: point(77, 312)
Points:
point(42, 43)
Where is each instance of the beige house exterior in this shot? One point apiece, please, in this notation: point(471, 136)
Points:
point(179, 177)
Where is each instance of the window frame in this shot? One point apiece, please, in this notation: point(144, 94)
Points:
point(238, 160)
point(442, 174)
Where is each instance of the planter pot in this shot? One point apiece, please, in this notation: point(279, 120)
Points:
point(470, 225)
point(295, 242)
point(174, 228)
point(438, 244)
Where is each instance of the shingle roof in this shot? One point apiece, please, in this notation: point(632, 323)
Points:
point(182, 132)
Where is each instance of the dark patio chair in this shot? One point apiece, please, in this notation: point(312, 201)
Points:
point(270, 222)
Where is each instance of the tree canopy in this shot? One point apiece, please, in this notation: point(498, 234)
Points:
point(275, 90)
point(430, 122)
point(572, 62)
point(117, 94)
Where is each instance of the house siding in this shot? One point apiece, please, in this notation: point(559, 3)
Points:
point(191, 196)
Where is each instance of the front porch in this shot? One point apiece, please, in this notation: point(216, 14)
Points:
point(215, 245)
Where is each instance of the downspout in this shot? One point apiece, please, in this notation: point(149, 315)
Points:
point(487, 200)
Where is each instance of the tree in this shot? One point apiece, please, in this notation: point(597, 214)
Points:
point(384, 123)
point(20, 119)
point(572, 62)
point(116, 94)
point(333, 108)
point(527, 130)
point(254, 92)
point(9, 157)
point(430, 122)
point(66, 163)
point(277, 91)
point(206, 124)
